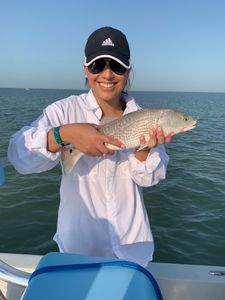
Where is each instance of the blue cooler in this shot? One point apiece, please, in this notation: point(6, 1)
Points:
point(62, 276)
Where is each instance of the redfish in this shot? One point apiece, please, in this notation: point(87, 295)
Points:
point(130, 127)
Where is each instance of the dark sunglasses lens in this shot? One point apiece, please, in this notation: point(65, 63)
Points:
point(117, 67)
point(97, 66)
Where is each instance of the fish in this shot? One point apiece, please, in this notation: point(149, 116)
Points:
point(131, 126)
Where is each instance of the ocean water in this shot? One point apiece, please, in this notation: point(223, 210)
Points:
point(186, 211)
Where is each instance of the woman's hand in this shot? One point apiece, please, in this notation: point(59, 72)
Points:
point(156, 137)
point(85, 137)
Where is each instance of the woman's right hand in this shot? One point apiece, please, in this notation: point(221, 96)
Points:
point(85, 137)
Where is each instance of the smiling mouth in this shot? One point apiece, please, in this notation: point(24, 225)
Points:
point(109, 85)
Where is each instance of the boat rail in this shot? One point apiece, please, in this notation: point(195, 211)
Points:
point(13, 275)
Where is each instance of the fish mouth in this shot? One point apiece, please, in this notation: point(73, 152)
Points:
point(189, 127)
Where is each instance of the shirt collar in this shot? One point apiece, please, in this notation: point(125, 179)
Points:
point(92, 104)
point(131, 105)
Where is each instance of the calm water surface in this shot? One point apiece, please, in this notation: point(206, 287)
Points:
point(186, 211)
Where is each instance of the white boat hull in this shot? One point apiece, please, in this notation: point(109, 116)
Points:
point(176, 281)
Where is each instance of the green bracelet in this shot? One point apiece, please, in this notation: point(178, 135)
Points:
point(58, 137)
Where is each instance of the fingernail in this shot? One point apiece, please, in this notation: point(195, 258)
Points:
point(151, 132)
point(159, 129)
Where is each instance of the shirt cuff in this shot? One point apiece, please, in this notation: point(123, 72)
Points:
point(149, 165)
point(37, 141)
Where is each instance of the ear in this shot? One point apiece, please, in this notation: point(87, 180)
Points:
point(85, 71)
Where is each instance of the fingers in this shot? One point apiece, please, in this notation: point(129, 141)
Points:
point(99, 148)
point(153, 141)
point(156, 137)
point(103, 150)
point(113, 141)
point(160, 136)
point(142, 140)
point(169, 137)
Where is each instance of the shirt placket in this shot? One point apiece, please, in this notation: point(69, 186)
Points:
point(111, 201)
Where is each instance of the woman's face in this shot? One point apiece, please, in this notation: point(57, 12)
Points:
point(107, 85)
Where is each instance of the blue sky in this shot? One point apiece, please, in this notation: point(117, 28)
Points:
point(175, 45)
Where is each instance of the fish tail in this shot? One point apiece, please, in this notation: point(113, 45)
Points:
point(69, 158)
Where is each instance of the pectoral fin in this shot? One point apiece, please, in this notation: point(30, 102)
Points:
point(142, 147)
point(146, 144)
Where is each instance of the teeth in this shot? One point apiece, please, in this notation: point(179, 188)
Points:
point(106, 85)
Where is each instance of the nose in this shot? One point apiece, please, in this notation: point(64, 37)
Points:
point(107, 72)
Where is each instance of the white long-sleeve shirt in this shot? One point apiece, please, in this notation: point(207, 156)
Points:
point(101, 208)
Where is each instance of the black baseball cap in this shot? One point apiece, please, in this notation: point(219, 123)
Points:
point(110, 43)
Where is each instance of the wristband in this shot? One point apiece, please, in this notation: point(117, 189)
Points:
point(58, 137)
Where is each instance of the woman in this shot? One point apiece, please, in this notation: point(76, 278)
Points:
point(101, 211)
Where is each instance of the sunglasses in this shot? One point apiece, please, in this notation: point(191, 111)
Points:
point(99, 65)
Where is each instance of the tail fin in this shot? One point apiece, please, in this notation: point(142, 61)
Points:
point(69, 158)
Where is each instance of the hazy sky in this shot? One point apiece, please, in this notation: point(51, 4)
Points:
point(175, 45)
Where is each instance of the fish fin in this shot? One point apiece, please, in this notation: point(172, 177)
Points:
point(142, 147)
point(69, 158)
point(146, 144)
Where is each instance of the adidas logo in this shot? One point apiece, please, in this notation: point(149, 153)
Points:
point(107, 42)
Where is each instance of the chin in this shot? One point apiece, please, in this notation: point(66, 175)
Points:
point(107, 96)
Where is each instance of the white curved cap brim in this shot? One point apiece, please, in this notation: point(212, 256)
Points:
point(106, 56)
